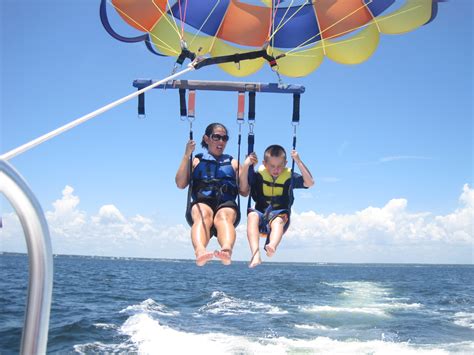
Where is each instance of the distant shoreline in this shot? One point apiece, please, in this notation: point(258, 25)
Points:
point(305, 263)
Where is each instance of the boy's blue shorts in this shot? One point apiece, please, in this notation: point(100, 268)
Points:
point(265, 220)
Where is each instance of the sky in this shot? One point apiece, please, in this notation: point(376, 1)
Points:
point(389, 142)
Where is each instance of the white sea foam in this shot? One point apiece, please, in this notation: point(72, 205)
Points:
point(149, 306)
point(331, 309)
point(363, 298)
point(464, 319)
point(315, 326)
point(105, 326)
point(148, 336)
point(221, 303)
point(100, 348)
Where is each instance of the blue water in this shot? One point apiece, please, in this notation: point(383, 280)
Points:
point(163, 306)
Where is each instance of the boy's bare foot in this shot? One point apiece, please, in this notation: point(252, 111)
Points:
point(224, 255)
point(203, 258)
point(270, 250)
point(256, 260)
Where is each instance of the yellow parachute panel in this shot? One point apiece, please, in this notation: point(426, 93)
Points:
point(356, 49)
point(413, 14)
point(299, 63)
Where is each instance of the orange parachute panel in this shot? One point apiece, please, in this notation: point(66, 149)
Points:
point(337, 18)
point(141, 14)
point(245, 24)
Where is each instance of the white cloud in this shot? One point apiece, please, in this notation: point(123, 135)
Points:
point(108, 232)
point(366, 235)
point(392, 223)
point(402, 157)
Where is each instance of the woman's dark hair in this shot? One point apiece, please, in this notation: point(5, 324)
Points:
point(210, 130)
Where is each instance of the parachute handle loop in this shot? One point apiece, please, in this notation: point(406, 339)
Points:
point(251, 142)
point(240, 122)
point(188, 112)
point(295, 122)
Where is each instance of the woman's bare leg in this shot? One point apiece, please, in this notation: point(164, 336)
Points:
point(202, 216)
point(224, 223)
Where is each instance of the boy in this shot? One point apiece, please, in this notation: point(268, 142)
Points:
point(271, 191)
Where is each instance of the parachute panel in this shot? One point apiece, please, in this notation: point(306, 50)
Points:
point(295, 26)
point(204, 16)
point(356, 49)
point(140, 14)
point(413, 14)
point(337, 18)
point(245, 24)
point(301, 63)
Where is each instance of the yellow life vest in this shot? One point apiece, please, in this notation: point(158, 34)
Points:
point(269, 191)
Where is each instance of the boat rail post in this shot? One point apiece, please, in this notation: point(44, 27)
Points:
point(40, 286)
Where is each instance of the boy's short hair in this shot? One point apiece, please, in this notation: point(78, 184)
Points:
point(274, 150)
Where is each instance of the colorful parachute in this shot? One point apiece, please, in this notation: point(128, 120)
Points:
point(297, 34)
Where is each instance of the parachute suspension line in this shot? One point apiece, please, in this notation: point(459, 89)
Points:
point(271, 28)
point(182, 16)
point(205, 21)
point(323, 45)
point(105, 22)
point(281, 24)
point(251, 142)
point(343, 18)
point(23, 148)
point(374, 19)
point(284, 15)
point(295, 122)
point(164, 15)
point(303, 44)
point(166, 45)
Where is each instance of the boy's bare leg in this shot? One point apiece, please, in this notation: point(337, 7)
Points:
point(253, 238)
point(224, 223)
point(277, 227)
point(200, 232)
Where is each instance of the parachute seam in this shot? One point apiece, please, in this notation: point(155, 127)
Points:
point(332, 25)
point(205, 21)
point(220, 25)
point(142, 27)
point(176, 29)
point(289, 53)
point(293, 15)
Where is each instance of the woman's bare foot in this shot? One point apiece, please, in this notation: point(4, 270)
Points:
point(224, 255)
point(256, 260)
point(203, 257)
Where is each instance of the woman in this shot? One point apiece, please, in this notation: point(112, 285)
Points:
point(214, 189)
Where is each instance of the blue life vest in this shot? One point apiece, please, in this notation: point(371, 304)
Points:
point(214, 179)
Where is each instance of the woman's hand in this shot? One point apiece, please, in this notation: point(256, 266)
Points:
point(190, 146)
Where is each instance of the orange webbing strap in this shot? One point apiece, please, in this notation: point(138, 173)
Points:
point(191, 103)
point(241, 106)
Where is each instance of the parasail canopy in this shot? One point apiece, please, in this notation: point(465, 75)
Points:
point(295, 35)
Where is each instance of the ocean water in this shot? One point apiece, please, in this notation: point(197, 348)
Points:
point(171, 306)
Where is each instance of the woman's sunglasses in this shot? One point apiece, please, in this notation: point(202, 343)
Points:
point(216, 137)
